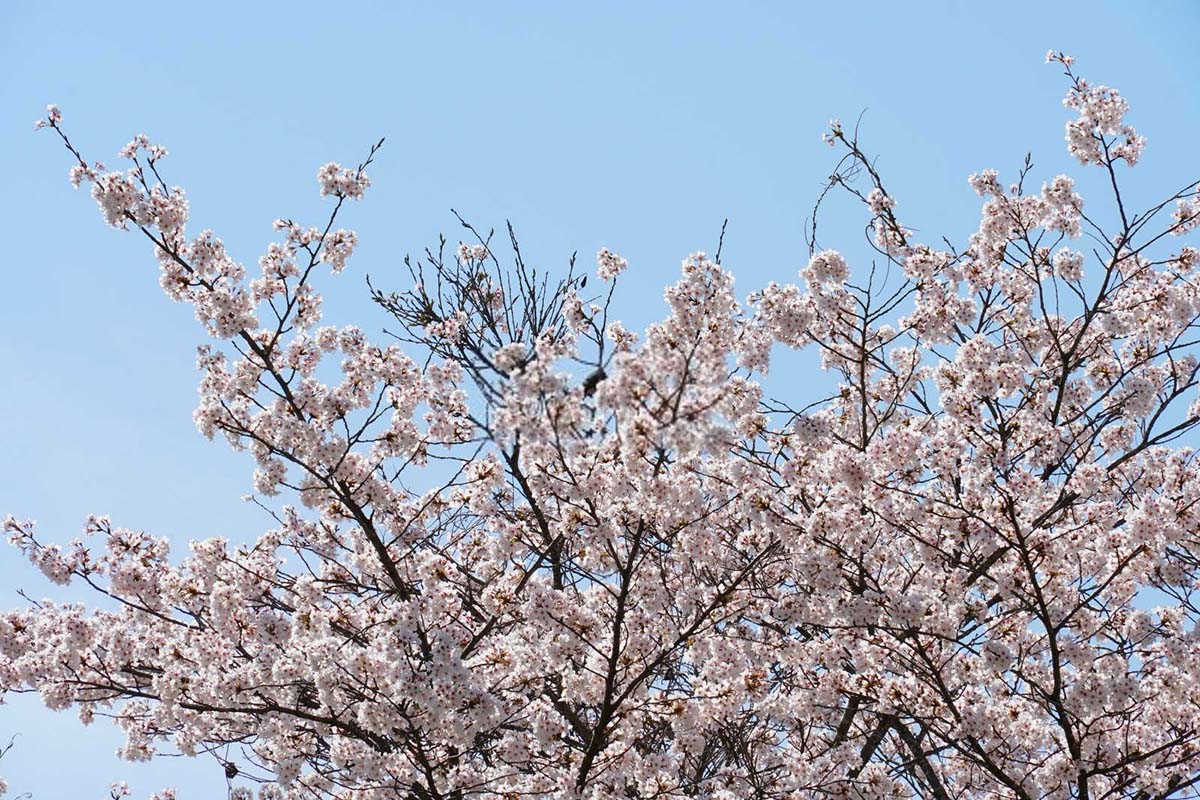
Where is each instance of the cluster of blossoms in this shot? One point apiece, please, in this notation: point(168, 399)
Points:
point(53, 117)
point(565, 560)
point(878, 201)
point(828, 266)
point(1099, 135)
point(140, 143)
point(1187, 212)
point(831, 136)
point(609, 265)
point(472, 252)
point(341, 182)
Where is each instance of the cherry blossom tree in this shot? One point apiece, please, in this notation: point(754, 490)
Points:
point(520, 550)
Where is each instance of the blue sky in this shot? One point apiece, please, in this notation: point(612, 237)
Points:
point(634, 126)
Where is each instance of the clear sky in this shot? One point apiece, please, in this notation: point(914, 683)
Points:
point(636, 126)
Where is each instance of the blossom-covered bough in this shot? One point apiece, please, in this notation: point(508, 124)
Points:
point(534, 554)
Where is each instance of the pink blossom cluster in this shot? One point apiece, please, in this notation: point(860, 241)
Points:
point(1099, 135)
point(609, 265)
point(334, 179)
point(472, 252)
